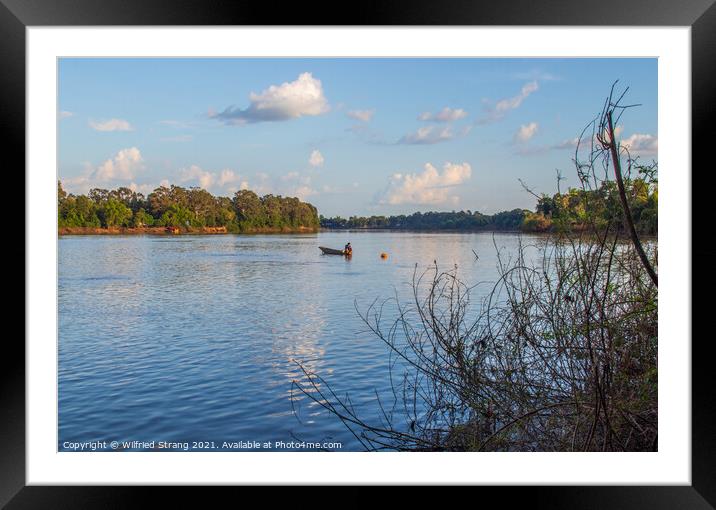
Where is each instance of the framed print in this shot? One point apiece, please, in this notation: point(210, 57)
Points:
point(422, 249)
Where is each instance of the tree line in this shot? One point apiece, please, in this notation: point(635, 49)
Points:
point(460, 220)
point(179, 207)
point(572, 209)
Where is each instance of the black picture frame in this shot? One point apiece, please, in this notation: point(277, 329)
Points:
point(700, 15)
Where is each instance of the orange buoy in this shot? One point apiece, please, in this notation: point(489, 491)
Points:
point(384, 255)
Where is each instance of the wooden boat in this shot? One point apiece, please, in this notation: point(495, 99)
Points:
point(331, 251)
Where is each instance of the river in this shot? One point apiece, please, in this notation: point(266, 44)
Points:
point(192, 341)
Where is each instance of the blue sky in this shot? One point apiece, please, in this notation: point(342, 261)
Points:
point(351, 136)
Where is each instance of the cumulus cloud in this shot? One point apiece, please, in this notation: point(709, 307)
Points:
point(511, 103)
point(64, 114)
point(77, 184)
point(111, 125)
point(196, 174)
point(498, 110)
point(119, 170)
point(229, 177)
point(290, 100)
point(428, 187)
point(428, 135)
point(144, 189)
point(225, 181)
point(303, 192)
point(641, 144)
point(444, 115)
point(361, 115)
point(122, 167)
point(570, 143)
point(316, 158)
point(296, 185)
point(526, 132)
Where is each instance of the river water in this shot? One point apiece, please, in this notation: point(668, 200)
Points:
point(191, 342)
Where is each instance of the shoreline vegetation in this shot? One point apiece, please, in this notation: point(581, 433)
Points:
point(160, 231)
point(178, 210)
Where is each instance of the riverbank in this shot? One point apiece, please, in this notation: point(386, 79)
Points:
point(427, 230)
point(84, 231)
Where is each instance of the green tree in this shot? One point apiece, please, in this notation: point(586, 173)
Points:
point(249, 209)
point(114, 213)
point(176, 216)
point(78, 211)
point(142, 219)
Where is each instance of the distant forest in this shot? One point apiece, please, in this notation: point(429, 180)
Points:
point(194, 208)
point(178, 207)
point(570, 209)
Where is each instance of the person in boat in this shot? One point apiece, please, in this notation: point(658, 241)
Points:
point(348, 249)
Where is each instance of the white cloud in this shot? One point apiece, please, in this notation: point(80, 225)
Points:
point(234, 186)
point(111, 125)
point(429, 187)
point(361, 115)
point(227, 182)
point(303, 192)
point(570, 143)
point(514, 102)
point(224, 182)
point(316, 158)
point(65, 114)
point(122, 167)
point(501, 108)
point(144, 189)
point(444, 115)
point(526, 132)
point(290, 100)
point(641, 144)
point(77, 184)
point(585, 142)
point(118, 170)
point(296, 185)
point(428, 135)
point(227, 176)
point(196, 174)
